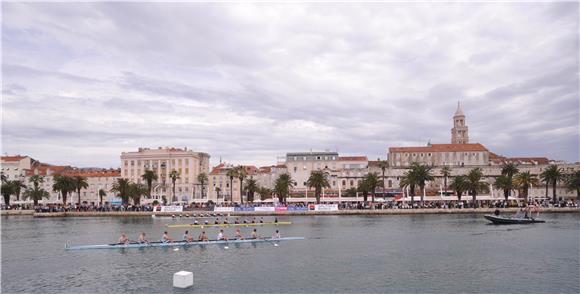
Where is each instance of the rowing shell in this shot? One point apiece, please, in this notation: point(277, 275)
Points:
point(179, 243)
point(227, 225)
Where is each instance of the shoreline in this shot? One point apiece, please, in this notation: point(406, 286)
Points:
point(286, 213)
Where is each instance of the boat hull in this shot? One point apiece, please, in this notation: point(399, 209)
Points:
point(498, 220)
point(179, 243)
point(228, 225)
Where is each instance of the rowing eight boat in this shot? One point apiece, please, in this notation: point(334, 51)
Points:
point(227, 225)
point(179, 243)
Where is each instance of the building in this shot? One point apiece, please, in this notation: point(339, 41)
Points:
point(301, 164)
point(459, 132)
point(439, 154)
point(15, 167)
point(97, 179)
point(187, 163)
point(222, 188)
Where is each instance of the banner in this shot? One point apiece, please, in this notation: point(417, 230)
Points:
point(281, 208)
point(243, 208)
point(173, 208)
point(297, 208)
point(224, 209)
point(269, 209)
point(326, 207)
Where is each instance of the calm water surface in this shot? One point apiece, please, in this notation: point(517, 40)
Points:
point(404, 254)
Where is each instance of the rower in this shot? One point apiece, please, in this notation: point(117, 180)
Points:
point(206, 222)
point(237, 221)
point(275, 220)
point(195, 222)
point(254, 220)
point(166, 239)
point(254, 234)
point(245, 221)
point(226, 221)
point(261, 220)
point(217, 221)
point(142, 238)
point(202, 236)
point(276, 235)
point(173, 216)
point(123, 239)
point(222, 236)
point(239, 234)
point(187, 237)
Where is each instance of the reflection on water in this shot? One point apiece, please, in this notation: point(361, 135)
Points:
point(410, 254)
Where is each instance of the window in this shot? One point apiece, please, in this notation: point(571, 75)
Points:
point(334, 183)
point(295, 169)
point(132, 163)
point(343, 182)
point(351, 183)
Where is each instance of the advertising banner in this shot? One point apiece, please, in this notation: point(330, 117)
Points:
point(223, 209)
point(311, 207)
point(281, 208)
point(244, 209)
point(326, 207)
point(264, 209)
point(297, 208)
point(171, 208)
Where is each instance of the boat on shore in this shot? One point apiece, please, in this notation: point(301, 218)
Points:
point(179, 243)
point(502, 220)
point(229, 225)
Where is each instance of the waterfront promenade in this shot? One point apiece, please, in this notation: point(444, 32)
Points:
point(285, 213)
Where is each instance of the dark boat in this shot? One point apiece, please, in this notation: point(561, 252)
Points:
point(500, 220)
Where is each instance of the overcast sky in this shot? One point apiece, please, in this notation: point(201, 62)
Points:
point(248, 83)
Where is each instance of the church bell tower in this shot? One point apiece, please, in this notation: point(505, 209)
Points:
point(459, 132)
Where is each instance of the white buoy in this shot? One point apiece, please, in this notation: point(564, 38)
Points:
point(182, 279)
point(175, 249)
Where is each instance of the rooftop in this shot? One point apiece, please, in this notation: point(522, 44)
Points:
point(441, 148)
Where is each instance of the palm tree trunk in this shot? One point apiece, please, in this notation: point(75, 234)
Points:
point(317, 194)
point(554, 190)
point(241, 193)
point(422, 196)
point(547, 189)
point(79, 194)
point(445, 184)
point(474, 199)
point(506, 194)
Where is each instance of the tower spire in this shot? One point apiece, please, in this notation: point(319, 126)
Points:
point(459, 132)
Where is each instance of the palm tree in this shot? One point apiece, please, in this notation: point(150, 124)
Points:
point(445, 172)
point(509, 170)
point(149, 176)
point(409, 180)
point(552, 175)
point(251, 188)
point(7, 191)
point(36, 180)
point(102, 194)
point(422, 174)
point(18, 185)
point(372, 182)
point(524, 180)
point(318, 181)
point(265, 193)
point(475, 184)
point(36, 193)
point(3, 177)
point(241, 173)
point(64, 185)
point(80, 183)
point(282, 186)
point(217, 191)
point(504, 183)
point(383, 165)
point(363, 188)
point(174, 175)
point(122, 187)
point(459, 185)
point(351, 192)
point(573, 184)
point(232, 173)
point(202, 179)
point(136, 191)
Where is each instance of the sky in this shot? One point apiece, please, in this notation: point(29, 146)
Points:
point(83, 82)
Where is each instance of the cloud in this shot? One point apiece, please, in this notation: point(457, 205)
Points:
point(249, 82)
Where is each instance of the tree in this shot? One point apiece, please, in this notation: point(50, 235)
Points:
point(459, 185)
point(121, 187)
point(504, 183)
point(102, 194)
point(552, 175)
point(80, 183)
point(524, 180)
point(573, 184)
point(202, 179)
point(241, 173)
point(509, 170)
point(409, 180)
point(318, 181)
point(251, 188)
point(64, 185)
point(35, 194)
point(174, 175)
point(445, 172)
point(217, 191)
point(7, 191)
point(136, 191)
point(232, 173)
point(282, 186)
point(350, 192)
point(363, 188)
point(149, 176)
point(422, 174)
point(372, 182)
point(36, 180)
point(265, 193)
point(475, 184)
point(18, 185)
point(383, 165)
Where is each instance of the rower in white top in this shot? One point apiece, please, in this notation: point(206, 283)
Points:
point(276, 235)
point(222, 236)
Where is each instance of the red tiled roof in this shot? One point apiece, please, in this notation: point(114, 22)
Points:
point(43, 169)
point(281, 166)
point(13, 158)
point(217, 169)
point(103, 173)
point(441, 148)
point(353, 158)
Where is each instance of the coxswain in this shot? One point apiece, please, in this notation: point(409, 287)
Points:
point(237, 221)
point(254, 234)
point(166, 239)
point(222, 236)
point(123, 239)
point(202, 236)
point(142, 238)
point(239, 234)
point(276, 235)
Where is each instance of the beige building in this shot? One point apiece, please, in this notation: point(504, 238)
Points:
point(440, 154)
point(163, 161)
point(223, 189)
point(15, 167)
